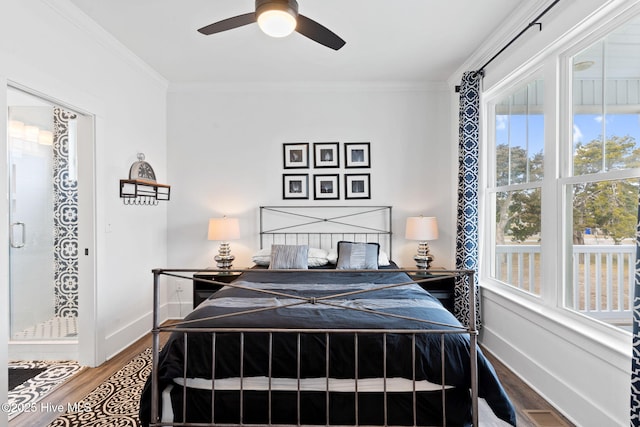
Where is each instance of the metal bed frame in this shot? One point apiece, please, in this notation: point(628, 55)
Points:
point(324, 226)
point(297, 236)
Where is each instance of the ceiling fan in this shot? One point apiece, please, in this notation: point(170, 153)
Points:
point(279, 18)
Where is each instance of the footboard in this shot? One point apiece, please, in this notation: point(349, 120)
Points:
point(293, 376)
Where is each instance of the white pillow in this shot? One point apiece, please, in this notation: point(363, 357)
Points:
point(262, 257)
point(332, 256)
point(383, 258)
point(317, 257)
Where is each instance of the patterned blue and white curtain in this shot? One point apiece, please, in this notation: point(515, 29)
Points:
point(467, 222)
point(635, 359)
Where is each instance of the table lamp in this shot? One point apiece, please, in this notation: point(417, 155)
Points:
point(422, 228)
point(223, 230)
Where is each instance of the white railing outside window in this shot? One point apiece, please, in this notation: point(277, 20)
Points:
point(519, 265)
point(603, 277)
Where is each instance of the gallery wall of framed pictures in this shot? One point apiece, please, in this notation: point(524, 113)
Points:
point(326, 184)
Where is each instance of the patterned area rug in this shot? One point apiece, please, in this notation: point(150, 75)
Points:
point(19, 376)
point(115, 403)
point(34, 389)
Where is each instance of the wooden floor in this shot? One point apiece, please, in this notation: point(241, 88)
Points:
point(81, 384)
point(523, 397)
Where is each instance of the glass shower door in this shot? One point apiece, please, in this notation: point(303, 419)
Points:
point(42, 222)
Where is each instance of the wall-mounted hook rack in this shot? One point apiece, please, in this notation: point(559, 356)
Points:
point(141, 188)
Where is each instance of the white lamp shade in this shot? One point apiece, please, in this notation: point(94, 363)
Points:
point(422, 228)
point(224, 229)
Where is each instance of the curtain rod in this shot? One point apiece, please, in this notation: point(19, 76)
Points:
point(533, 23)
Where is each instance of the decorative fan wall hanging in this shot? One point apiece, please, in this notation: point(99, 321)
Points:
point(279, 18)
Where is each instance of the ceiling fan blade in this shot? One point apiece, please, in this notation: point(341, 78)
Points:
point(319, 33)
point(229, 24)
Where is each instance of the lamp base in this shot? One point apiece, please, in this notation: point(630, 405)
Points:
point(224, 259)
point(423, 259)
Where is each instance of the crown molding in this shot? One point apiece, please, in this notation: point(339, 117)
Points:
point(93, 30)
point(344, 86)
point(514, 23)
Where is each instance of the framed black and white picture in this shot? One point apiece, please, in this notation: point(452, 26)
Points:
point(325, 155)
point(295, 186)
point(356, 155)
point(326, 187)
point(296, 155)
point(357, 186)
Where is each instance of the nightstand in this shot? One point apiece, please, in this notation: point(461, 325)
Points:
point(203, 290)
point(443, 289)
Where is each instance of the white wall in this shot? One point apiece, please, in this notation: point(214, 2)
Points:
point(226, 158)
point(49, 47)
point(583, 371)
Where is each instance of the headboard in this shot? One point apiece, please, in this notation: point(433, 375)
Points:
point(324, 226)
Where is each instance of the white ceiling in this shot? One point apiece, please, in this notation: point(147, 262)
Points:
point(396, 41)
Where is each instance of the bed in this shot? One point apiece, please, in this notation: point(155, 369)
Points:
point(329, 345)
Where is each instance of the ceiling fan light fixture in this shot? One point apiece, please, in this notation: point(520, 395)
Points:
point(277, 23)
point(277, 18)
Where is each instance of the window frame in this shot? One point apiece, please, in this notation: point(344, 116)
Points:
point(554, 67)
point(489, 188)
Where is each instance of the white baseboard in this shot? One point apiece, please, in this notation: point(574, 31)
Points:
point(122, 338)
point(43, 350)
point(178, 310)
point(125, 336)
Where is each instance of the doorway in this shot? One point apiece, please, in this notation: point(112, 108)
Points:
point(45, 212)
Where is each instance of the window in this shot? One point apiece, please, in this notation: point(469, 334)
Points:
point(585, 191)
point(602, 183)
point(515, 202)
